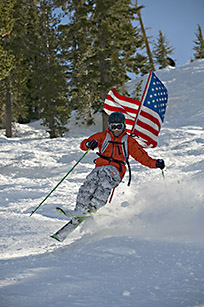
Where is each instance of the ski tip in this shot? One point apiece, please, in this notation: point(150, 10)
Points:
point(60, 210)
point(53, 236)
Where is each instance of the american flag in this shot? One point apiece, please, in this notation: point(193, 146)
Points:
point(143, 119)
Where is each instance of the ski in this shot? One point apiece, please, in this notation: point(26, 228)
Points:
point(75, 221)
point(68, 228)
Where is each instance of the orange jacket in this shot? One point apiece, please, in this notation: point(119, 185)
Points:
point(115, 151)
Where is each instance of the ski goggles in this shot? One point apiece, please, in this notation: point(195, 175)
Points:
point(116, 126)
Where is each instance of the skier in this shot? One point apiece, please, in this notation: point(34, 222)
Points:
point(115, 146)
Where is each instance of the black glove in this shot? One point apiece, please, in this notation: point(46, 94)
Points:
point(92, 144)
point(160, 163)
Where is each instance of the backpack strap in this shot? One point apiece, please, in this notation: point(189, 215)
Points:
point(106, 142)
point(125, 150)
point(124, 143)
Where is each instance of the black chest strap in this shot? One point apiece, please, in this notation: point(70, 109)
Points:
point(110, 159)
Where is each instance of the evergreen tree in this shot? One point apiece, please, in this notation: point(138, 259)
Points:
point(33, 77)
point(199, 44)
point(77, 50)
point(32, 40)
point(102, 47)
point(6, 59)
point(162, 50)
point(13, 78)
point(6, 25)
point(47, 83)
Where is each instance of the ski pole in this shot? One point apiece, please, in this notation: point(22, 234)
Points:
point(59, 182)
point(162, 171)
point(111, 196)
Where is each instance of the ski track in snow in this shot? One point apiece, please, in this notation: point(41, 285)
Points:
point(147, 247)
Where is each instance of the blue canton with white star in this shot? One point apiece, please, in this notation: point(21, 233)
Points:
point(157, 97)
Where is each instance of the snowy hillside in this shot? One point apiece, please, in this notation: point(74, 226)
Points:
point(147, 247)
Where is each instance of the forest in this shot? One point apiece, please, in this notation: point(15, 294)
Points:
point(48, 68)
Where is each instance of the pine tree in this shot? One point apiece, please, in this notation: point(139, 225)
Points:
point(6, 25)
point(6, 59)
point(32, 40)
point(33, 77)
point(162, 50)
point(47, 83)
point(102, 46)
point(13, 79)
point(78, 51)
point(199, 44)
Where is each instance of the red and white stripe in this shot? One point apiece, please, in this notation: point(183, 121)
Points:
point(147, 127)
point(115, 102)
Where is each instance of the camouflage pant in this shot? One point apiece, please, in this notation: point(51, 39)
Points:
point(97, 187)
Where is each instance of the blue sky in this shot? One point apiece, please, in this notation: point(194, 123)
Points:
point(178, 20)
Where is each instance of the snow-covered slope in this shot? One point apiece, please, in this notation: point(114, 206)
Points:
point(145, 250)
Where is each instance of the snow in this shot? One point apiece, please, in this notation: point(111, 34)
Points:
point(146, 249)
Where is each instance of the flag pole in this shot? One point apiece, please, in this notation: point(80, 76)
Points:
point(142, 101)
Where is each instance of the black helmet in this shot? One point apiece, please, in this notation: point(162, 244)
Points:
point(116, 117)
